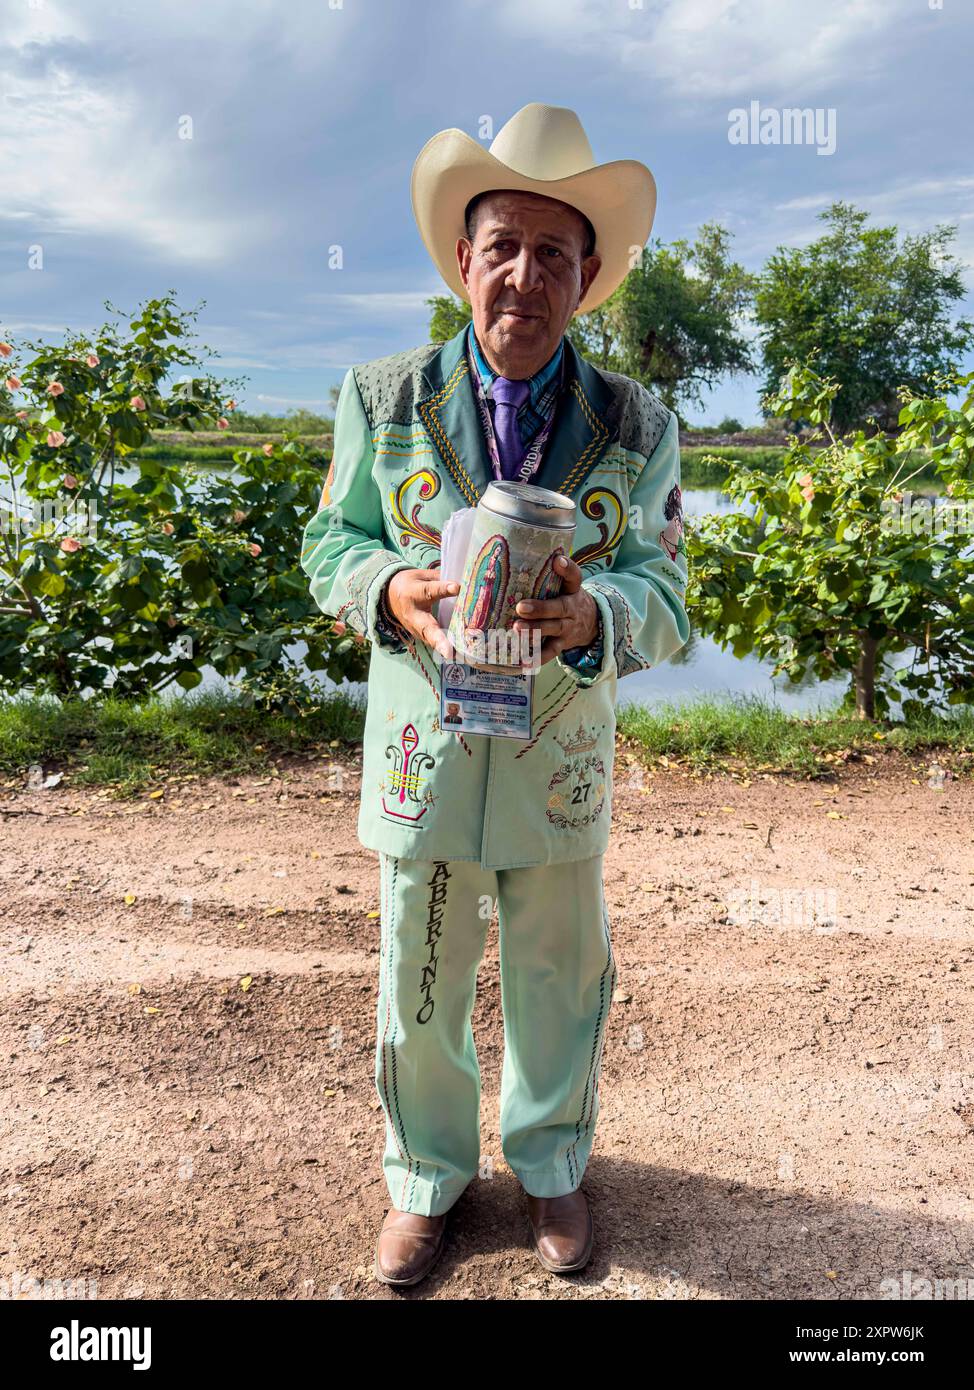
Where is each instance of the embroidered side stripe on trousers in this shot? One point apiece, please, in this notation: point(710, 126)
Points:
point(606, 991)
point(556, 982)
point(389, 1088)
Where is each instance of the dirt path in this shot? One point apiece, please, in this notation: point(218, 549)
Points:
point(787, 1091)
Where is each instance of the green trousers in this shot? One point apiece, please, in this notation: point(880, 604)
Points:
point(557, 974)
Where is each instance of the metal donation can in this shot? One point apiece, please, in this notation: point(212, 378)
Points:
point(518, 532)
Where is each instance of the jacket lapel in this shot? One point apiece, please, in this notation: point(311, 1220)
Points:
point(584, 427)
point(449, 414)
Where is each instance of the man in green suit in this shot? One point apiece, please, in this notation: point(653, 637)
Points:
point(529, 232)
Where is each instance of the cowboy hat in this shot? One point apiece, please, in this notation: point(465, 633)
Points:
point(542, 149)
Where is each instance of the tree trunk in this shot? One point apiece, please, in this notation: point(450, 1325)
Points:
point(864, 676)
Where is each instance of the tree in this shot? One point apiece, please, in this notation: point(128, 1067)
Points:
point(678, 317)
point(596, 335)
point(447, 316)
point(877, 313)
point(837, 568)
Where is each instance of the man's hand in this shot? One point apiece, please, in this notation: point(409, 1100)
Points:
point(569, 620)
point(411, 595)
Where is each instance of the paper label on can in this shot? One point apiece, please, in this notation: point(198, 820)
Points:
point(506, 561)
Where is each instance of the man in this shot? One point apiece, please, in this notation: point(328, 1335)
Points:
point(529, 232)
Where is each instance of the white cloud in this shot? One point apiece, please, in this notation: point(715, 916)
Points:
point(76, 159)
point(89, 133)
point(711, 50)
point(380, 303)
point(912, 205)
point(806, 204)
point(29, 328)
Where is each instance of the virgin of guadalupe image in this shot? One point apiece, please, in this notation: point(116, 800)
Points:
point(488, 583)
point(548, 582)
point(671, 535)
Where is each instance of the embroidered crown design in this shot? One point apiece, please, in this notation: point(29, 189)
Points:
point(578, 742)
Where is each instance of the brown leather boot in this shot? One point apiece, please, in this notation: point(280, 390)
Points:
point(562, 1231)
point(408, 1247)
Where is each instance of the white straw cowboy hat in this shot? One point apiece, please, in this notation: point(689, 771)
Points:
point(542, 149)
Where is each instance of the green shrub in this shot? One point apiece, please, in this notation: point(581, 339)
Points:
point(123, 570)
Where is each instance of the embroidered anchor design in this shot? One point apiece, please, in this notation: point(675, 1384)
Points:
point(408, 760)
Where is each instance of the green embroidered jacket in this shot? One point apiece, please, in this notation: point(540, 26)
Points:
point(408, 451)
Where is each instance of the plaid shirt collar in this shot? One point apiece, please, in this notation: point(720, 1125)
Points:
point(543, 388)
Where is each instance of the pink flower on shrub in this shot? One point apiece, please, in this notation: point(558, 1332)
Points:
point(231, 405)
point(92, 360)
point(222, 423)
point(55, 439)
point(168, 527)
point(805, 483)
point(254, 549)
point(340, 627)
point(137, 403)
point(55, 389)
point(21, 414)
point(5, 349)
point(239, 516)
point(70, 544)
point(267, 449)
point(70, 480)
point(14, 383)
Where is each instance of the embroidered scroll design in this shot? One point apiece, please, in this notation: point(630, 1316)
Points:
point(597, 504)
point(409, 522)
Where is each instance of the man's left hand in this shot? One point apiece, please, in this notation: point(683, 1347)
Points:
point(571, 619)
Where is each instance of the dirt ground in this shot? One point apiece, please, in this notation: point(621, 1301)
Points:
point(187, 1013)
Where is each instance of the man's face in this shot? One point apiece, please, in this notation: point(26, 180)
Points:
point(525, 274)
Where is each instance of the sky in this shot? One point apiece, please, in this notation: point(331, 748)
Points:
point(221, 149)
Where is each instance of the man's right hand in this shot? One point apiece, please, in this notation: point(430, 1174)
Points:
point(411, 595)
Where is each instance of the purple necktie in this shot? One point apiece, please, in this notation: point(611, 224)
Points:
point(508, 396)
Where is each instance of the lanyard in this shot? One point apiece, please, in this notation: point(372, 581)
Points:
point(532, 459)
